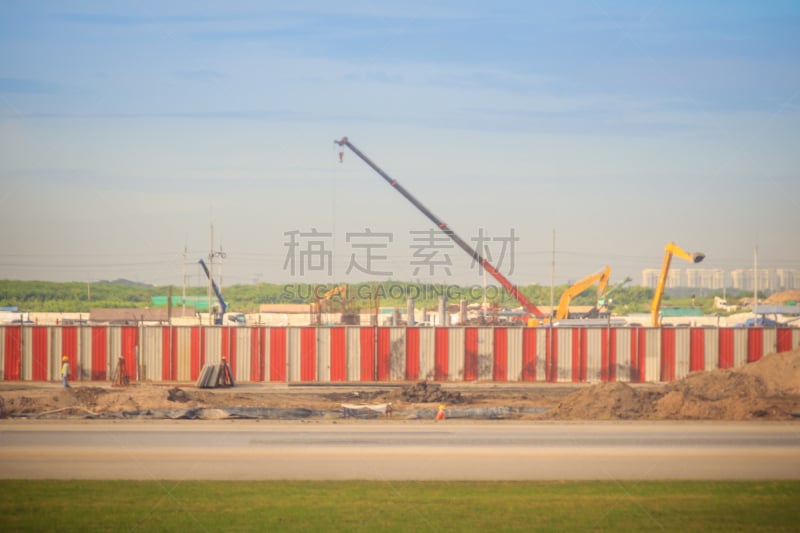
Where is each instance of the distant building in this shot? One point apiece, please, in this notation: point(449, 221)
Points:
point(745, 280)
point(716, 278)
point(788, 278)
point(650, 278)
point(705, 278)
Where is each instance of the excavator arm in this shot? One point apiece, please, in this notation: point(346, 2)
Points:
point(604, 299)
point(488, 267)
point(669, 250)
point(601, 278)
point(316, 305)
point(341, 289)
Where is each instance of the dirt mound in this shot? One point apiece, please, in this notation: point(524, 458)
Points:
point(604, 401)
point(768, 388)
point(424, 392)
point(780, 373)
point(783, 297)
point(716, 395)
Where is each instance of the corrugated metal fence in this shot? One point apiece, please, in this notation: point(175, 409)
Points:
point(354, 354)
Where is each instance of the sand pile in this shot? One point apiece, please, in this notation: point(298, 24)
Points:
point(769, 388)
point(604, 401)
point(715, 395)
point(784, 297)
point(779, 372)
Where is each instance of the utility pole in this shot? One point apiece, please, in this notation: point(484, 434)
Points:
point(212, 254)
point(183, 292)
point(210, 276)
point(221, 256)
point(755, 281)
point(553, 276)
point(551, 331)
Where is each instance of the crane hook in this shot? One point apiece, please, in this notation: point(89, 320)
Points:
point(341, 148)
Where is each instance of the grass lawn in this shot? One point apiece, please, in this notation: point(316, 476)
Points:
point(398, 506)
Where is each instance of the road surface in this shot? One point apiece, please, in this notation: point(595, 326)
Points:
point(398, 450)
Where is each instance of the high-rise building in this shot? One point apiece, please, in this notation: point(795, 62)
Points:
point(744, 279)
point(700, 278)
point(674, 278)
point(650, 278)
point(715, 278)
point(787, 278)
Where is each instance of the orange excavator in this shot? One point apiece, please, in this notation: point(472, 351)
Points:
point(669, 250)
point(601, 278)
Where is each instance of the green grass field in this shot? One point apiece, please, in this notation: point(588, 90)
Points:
point(398, 506)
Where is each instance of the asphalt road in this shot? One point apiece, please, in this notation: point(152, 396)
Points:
point(397, 450)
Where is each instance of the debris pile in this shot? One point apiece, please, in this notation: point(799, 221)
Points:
point(177, 395)
point(424, 392)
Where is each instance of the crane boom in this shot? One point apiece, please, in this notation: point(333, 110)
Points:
point(222, 305)
point(507, 285)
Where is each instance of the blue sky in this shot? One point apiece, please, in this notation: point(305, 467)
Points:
point(127, 129)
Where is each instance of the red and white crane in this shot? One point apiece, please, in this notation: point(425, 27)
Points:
point(507, 285)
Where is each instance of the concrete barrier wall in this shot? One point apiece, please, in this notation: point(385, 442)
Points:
point(362, 354)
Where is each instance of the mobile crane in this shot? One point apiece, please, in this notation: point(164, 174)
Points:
point(669, 250)
point(529, 307)
point(601, 278)
point(237, 318)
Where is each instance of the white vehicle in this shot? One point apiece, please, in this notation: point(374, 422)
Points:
point(722, 304)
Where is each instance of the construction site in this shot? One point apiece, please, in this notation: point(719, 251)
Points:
point(337, 357)
point(768, 389)
point(362, 304)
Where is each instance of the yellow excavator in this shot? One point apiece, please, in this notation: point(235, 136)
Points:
point(601, 278)
point(316, 307)
point(669, 250)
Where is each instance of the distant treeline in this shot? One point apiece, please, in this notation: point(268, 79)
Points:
point(43, 296)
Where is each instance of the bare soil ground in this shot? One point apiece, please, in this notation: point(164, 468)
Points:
point(765, 390)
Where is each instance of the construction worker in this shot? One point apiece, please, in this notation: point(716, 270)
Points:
point(65, 371)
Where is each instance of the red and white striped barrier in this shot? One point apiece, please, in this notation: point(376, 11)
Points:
point(359, 354)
